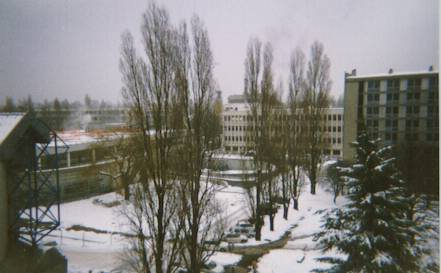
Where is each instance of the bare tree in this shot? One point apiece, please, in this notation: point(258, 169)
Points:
point(296, 122)
point(315, 102)
point(171, 94)
point(261, 98)
point(126, 156)
point(254, 140)
point(195, 87)
point(148, 86)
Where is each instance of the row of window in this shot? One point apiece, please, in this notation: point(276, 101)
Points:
point(414, 84)
point(250, 118)
point(393, 136)
point(240, 128)
point(333, 140)
point(411, 109)
point(329, 140)
point(396, 96)
point(430, 123)
point(328, 152)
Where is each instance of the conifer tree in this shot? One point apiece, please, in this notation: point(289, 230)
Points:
point(372, 229)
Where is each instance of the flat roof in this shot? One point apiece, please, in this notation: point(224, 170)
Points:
point(392, 75)
point(8, 121)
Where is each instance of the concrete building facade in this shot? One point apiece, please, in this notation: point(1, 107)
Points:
point(394, 107)
point(235, 124)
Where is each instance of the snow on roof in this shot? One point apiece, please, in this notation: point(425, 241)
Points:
point(8, 121)
point(74, 137)
point(394, 74)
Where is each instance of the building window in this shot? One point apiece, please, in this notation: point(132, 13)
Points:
point(413, 83)
point(339, 117)
point(339, 128)
point(394, 136)
point(372, 85)
point(393, 84)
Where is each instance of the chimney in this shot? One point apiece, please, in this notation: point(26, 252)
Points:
point(354, 72)
point(431, 68)
point(391, 71)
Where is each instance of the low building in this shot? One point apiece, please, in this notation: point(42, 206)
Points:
point(87, 168)
point(235, 124)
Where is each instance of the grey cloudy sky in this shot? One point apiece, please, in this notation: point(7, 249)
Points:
point(67, 48)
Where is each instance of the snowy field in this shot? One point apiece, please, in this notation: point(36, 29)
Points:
point(102, 245)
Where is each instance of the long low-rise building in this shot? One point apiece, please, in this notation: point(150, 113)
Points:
point(235, 117)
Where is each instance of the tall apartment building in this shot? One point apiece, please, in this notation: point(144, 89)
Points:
point(394, 107)
point(235, 122)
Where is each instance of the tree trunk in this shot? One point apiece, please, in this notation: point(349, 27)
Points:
point(285, 210)
point(296, 203)
point(258, 224)
point(313, 180)
point(271, 217)
point(126, 189)
point(285, 199)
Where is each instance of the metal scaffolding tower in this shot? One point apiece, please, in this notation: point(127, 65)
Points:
point(33, 191)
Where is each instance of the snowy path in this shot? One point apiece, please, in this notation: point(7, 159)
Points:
point(299, 253)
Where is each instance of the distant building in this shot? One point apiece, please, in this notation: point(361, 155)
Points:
point(235, 117)
point(392, 106)
point(84, 118)
point(237, 99)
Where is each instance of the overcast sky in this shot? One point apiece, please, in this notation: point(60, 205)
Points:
point(67, 48)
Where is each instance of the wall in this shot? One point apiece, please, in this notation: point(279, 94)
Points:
point(84, 181)
point(350, 119)
point(3, 212)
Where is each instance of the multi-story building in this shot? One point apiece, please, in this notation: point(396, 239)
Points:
point(235, 119)
point(394, 107)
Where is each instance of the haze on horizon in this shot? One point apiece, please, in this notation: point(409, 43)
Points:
point(67, 49)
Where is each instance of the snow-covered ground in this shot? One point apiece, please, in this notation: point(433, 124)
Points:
point(88, 250)
point(300, 252)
